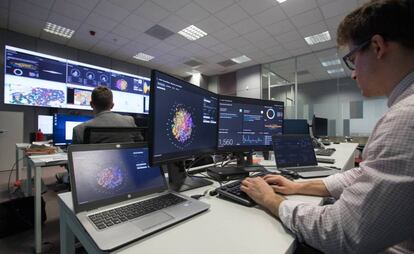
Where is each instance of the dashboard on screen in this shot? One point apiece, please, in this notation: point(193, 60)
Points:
point(248, 124)
point(36, 79)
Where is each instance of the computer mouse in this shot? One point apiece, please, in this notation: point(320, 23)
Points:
point(292, 173)
point(213, 192)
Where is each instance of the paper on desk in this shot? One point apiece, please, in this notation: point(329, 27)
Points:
point(51, 157)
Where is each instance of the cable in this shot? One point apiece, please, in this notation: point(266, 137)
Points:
point(11, 171)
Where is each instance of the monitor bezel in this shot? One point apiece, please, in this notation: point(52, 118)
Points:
point(55, 116)
point(314, 125)
point(246, 100)
point(179, 156)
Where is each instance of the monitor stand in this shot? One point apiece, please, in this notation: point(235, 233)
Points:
point(245, 159)
point(179, 181)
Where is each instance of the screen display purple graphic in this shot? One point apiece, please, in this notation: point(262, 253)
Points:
point(35, 79)
point(103, 174)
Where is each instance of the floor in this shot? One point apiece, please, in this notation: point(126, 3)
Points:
point(24, 242)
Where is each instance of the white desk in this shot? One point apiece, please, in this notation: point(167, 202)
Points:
point(19, 147)
point(36, 162)
point(226, 227)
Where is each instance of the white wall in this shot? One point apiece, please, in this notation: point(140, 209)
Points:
point(12, 125)
point(248, 82)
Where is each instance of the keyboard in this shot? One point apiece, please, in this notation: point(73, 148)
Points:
point(325, 152)
point(232, 192)
point(122, 214)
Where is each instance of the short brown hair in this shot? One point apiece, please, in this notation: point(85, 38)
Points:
point(392, 19)
point(102, 98)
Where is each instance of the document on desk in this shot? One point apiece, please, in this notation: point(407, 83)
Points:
point(50, 157)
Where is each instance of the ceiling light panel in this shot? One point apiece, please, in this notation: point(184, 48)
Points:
point(318, 38)
point(241, 59)
point(58, 30)
point(281, 1)
point(143, 57)
point(331, 62)
point(192, 33)
point(335, 71)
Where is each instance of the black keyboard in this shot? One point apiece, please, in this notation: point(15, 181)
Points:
point(232, 192)
point(129, 212)
point(325, 152)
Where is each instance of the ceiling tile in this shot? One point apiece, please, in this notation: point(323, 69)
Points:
point(4, 18)
point(174, 23)
point(176, 40)
point(322, 2)
point(147, 40)
point(115, 39)
point(207, 41)
point(5, 4)
point(192, 13)
point(164, 47)
point(126, 31)
point(306, 18)
point(47, 4)
point(111, 11)
point(312, 29)
point(231, 14)
point(29, 9)
point(214, 5)
point(237, 42)
point(103, 48)
point(255, 7)
point(101, 22)
point(231, 53)
point(64, 21)
point(220, 48)
point(138, 23)
point(151, 11)
point(245, 26)
point(280, 27)
point(296, 44)
point(171, 5)
point(295, 7)
point(210, 24)
point(17, 23)
point(129, 5)
point(88, 5)
point(334, 22)
point(84, 29)
point(216, 58)
point(289, 36)
point(270, 16)
point(274, 50)
point(338, 7)
point(180, 52)
point(266, 43)
point(72, 10)
point(225, 34)
point(256, 36)
point(53, 38)
point(82, 42)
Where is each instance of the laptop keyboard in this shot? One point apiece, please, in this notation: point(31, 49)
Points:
point(129, 212)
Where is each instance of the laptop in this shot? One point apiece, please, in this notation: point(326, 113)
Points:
point(295, 152)
point(118, 198)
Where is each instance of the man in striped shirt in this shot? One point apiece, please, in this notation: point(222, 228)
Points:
point(374, 211)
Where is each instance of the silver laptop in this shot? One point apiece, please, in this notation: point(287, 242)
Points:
point(295, 152)
point(118, 198)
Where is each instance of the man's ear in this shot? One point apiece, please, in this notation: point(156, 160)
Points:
point(379, 45)
point(112, 105)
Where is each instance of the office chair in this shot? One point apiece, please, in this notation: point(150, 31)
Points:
point(95, 135)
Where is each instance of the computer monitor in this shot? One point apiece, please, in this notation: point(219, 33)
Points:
point(295, 126)
point(183, 124)
point(63, 127)
point(319, 127)
point(247, 125)
point(45, 124)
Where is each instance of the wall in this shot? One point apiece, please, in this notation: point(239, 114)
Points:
point(26, 42)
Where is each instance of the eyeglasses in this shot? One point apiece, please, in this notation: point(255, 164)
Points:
point(349, 59)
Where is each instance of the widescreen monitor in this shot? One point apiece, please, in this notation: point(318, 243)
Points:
point(183, 122)
point(63, 127)
point(319, 127)
point(247, 124)
point(295, 126)
point(36, 79)
point(45, 124)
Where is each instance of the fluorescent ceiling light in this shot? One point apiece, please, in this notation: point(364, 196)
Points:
point(331, 62)
point(334, 71)
point(58, 30)
point(318, 38)
point(192, 33)
point(143, 57)
point(281, 1)
point(241, 59)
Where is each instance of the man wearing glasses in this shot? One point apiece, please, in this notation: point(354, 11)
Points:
point(374, 211)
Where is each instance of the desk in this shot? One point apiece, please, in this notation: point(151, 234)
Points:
point(226, 227)
point(36, 162)
point(19, 147)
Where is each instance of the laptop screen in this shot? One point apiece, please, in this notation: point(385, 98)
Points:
point(293, 151)
point(108, 173)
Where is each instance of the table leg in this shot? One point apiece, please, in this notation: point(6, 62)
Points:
point(38, 210)
point(67, 238)
point(17, 163)
point(29, 177)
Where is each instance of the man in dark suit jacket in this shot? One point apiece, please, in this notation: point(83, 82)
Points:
point(102, 103)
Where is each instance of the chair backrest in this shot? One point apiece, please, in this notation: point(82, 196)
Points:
point(94, 135)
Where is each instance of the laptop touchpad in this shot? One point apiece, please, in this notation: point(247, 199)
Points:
point(153, 220)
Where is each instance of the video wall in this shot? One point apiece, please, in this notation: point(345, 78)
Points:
point(36, 79)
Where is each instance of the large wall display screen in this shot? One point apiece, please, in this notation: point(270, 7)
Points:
point(36, 79)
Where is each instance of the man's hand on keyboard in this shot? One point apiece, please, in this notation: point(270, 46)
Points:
point(262, 193)
point(281, 185)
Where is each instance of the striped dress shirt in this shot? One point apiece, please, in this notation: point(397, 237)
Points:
point(375, 207)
